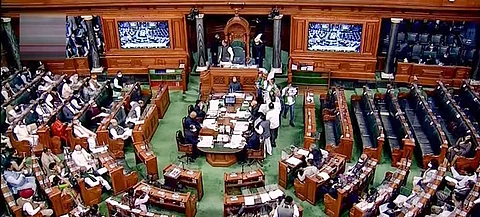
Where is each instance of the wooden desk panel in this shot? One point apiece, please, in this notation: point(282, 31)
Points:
point(309, 188)
point(285, 170)
point(120, 181)
point(144, 132)
point(216, 80)
point(145, 155)
point(162, 100)
point(9, 200)
point(124, 210)
point(310, 121)
point(429, 74)
point(249, 179)
point(180, 202)
point(191, 178)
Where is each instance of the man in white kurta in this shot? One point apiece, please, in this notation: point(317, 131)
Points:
point(82, 158)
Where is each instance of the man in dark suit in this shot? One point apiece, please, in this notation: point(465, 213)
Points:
point(214, 50)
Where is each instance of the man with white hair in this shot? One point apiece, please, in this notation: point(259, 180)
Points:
point(93, 180)
point(259, 50)
point(119, 132)
point(135, 112)
point(82, 158)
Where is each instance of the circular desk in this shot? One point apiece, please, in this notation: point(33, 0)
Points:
point(218, 156)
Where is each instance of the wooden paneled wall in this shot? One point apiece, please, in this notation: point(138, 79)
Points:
point(133, 61)
point(342, 65)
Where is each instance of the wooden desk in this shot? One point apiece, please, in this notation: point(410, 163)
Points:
point(233, 203)
point(310, 121)
point(35, 81)
point(308, 189)
point(367, 106)
point(249, 179)
point(191, 178)
point(387, 191)
point(120, 181)
point(417, 93)
point(162, 100)
point(61, 204)
point(116, 208)
point(9, 200)
point(467, 205)
point(179, 202)
point(329, 114)
point(115, 146)
point(405, 133)
point(428, 193)
point(429, 74)
point(90, 195)
point(285, 170)
point(217, 80)
point(334, 207)
point(144, 154)
point(144, 132)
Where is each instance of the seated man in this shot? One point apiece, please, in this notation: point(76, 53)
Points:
point(191, 137)
point(253, 140)
point(66, 90)
point(82, 158)
point(95, 114)
point(47, 158)
point(428, 175)
point(48, 77)
point(31, 207)
point(42, 108)
point(199, 108)
point(461, 148)
point(316, 155)
point(234, 86)
point(53, 98)
point(75, 83)
point(43, 86)
point(82, 132)
point(23, 134)
point(93, 85)
point(93, 180)
point(286, 208)
point(307, 171)
point(69, 112)
point(119, 132)
point(191, 120)
point(76, 101)
point(18, 181)
point(135, 113)
point(117, 85)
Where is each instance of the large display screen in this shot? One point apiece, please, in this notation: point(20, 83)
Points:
point(334, 37)
point(150, 34)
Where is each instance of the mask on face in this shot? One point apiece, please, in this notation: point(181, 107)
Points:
point(429, 165)
point(119, 75)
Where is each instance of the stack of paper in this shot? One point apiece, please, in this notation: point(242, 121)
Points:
point(249, 200)
point(210, 123)
point(265, 197)
point(275, 194)
point(235, 142)
point(303, 152)
point(205, 142)
point(293, 161)
point(240, 126)
point(323, 175)
point(213, 105)
point(223, 137)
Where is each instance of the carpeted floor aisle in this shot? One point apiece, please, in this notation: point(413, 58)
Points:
point(164, 145)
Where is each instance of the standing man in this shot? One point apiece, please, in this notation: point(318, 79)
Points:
point(289, 94)
point(287, 208)
point(273, 115)
point(226, 54)
point(259, 50)
point(118, 84)
point(214, 50)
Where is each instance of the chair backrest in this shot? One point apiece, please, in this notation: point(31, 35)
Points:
point(401, 37)
point(436, 39)
point(183, 123)
point(424, 38)
point(179, 137)
point(239, 55)
point(412, 37)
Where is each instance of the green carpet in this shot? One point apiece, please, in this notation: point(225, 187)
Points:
point(164, 145)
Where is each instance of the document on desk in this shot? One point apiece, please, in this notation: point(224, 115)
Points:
point(235, 142)
point(265, 197)
point(249, 201)
point(303, 152)
point(205, 142)
point(324, 175)
point(275, 194)
point(210, 123)
point(293, 161)
point(240, 127)
point(213, 105)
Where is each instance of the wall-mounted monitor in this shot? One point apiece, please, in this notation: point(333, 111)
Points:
point(144, 34)
point(334, 37)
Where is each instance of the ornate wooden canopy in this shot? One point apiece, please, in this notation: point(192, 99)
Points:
point(238, 29)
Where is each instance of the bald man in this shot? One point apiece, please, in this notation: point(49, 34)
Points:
point(119, 132)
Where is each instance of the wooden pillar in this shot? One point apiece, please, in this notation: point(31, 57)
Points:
point(390, 60)
point(12, 41)
point(277, 44)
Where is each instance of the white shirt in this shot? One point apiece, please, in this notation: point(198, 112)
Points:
point(274, 117)
point(115, 83)
point(462, 180)
point(141, 202)
point(21, 131)
point(81, 158)
point(27, 207)
point(66, 91)
point(308, 171)
point(115, 135)
point(291, 93)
